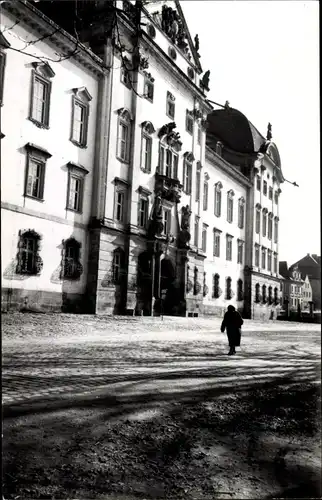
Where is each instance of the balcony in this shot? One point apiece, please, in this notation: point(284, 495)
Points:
point(169, 188)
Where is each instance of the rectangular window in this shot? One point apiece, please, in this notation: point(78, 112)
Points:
point(40, 100)
point(79, 123)
point(2, 71)
point(149, 90)
point(126, 77)
point(166, 221)
point(230, 209)
point(187, 177)
point(170, 110)
point(258, 222)
point(205, 196)
point(199, 134)
point(264, 225)
point(143, 212)
point(275, 231)
point(116, 267)
point(240, 251)
point(241, 215)
point(218, 202)
point(204, 238)
point(276, 197)
point(265, 188)
point(258, 183)
point(229, 247)
point(168, 163)
point(269, 260)
point(270, 228)
point(123, 139)
point(35, 179)
point(119, 206)
point(257, 255)
point(146, 153)
point(263, 258)
point(189, 122)
point(75, 193)
point(216, 244)
point(198, 185)
point(196, 235)
point(161, 159)
point(270, 193)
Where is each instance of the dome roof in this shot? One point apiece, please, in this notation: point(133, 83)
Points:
point(233, 128)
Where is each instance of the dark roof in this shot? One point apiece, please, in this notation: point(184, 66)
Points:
point(283, 269)
point(233, 128)
point(310, 265)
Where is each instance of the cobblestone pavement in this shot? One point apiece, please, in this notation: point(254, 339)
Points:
point(47, 358)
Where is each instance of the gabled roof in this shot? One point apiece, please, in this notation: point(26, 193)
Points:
point(310, 265)
point(283, 269)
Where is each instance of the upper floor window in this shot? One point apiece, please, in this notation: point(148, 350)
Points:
point(166, 212)
point(2, 66)
point(264, 188)
point(258, 183)
point(29, 260)
point(146, 146)
point(120, 198)
point(263, 257)
point(124, 135)
point(168, 162)
point(126, 73)
point(205, 192)
point(217, 243)
point(270, 193)
point(276, 197)
point(75, 189)
point(269, 260)
point(40, 93)
point(258, 219)
point(256, 255)
point(241, 212)
point(276, 219)
point(199, 133)
point(148, 87)
point(35, 171)
point(187, 173)
point(217, 207)
point(240, 251)
point(80, 114)
point(264, 224)
point(189, 122)
point(143, 208)
point(198, 180)
point(230, 205)
point(170, 105)
point(270, 226)
point(204, 237)
point(72, 268)
point(229, 247)
point(196, 233)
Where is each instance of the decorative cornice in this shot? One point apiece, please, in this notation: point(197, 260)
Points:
point(76, 166)
point(38, 149)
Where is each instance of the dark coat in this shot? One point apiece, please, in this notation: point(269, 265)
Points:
point(232, 322)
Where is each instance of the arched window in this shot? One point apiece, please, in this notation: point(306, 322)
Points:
point(230, 205)
point(257, 292)
point(228, 288)
point(205, 192)
point(29, 260)
point(146, 146)
point(270, 226)
point(264, 224)
point(258, 218)
point(118, 265)
point(241, 212)
point(264, 296)
point(187, 172)
point(71, 268)
point(195, 281)
point(276, 301)
point(276, 219)
point(240, 291)
point(217, 208)
point(216, 292)
point(270, 295)
point(124, 135)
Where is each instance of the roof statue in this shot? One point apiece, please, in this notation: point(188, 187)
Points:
point(205, 79)
point(269, 132)
point(197, 45)
point(227, 105)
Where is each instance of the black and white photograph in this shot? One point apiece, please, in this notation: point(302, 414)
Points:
point(160, 249)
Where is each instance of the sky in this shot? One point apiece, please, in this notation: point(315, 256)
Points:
point(263, 58)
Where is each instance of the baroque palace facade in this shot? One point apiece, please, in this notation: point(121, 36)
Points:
point(123, 189)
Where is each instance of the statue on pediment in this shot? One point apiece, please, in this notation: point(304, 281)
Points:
point(205, 79)
point(269, 132)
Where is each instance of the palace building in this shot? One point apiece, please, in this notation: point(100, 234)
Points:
point(124, 189)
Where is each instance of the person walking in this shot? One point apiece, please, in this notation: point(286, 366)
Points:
point(232, 322)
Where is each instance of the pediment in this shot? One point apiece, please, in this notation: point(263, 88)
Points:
point(44, 69)
point(82, 93)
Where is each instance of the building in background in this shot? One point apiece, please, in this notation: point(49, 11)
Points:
point(307, 294)
point(293, 285)
point(310, 266)
point(167, 205)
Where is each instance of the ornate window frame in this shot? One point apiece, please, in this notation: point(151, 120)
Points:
point(170, 105)
point(72, 268)
point(264, 294)
point(216, 291)
point(25, 237)
point(264, 221)
point(204, 237)
point(276, 220)
point(258, 209)
point(43, 74)
point(188, 160)
point(229, 247)
point(240, 251)
point(257, 255)
point(78, 173)
point(263, 258)
point(146, 156)
point(125, 73)
point(143, 195)
point(269, 260)
point(265, 188)
point(217, 239)
point(270, 226)
point(258, 183)
point(228, 289)
point(205, 191)
point(196, 231)
point(148, 86)
point(121, 188)
point(80, 98)
point(218, 199)
point(189, 122)
point(124, 122)
point(230, 205)
point(198, 180)
point(169, 147)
